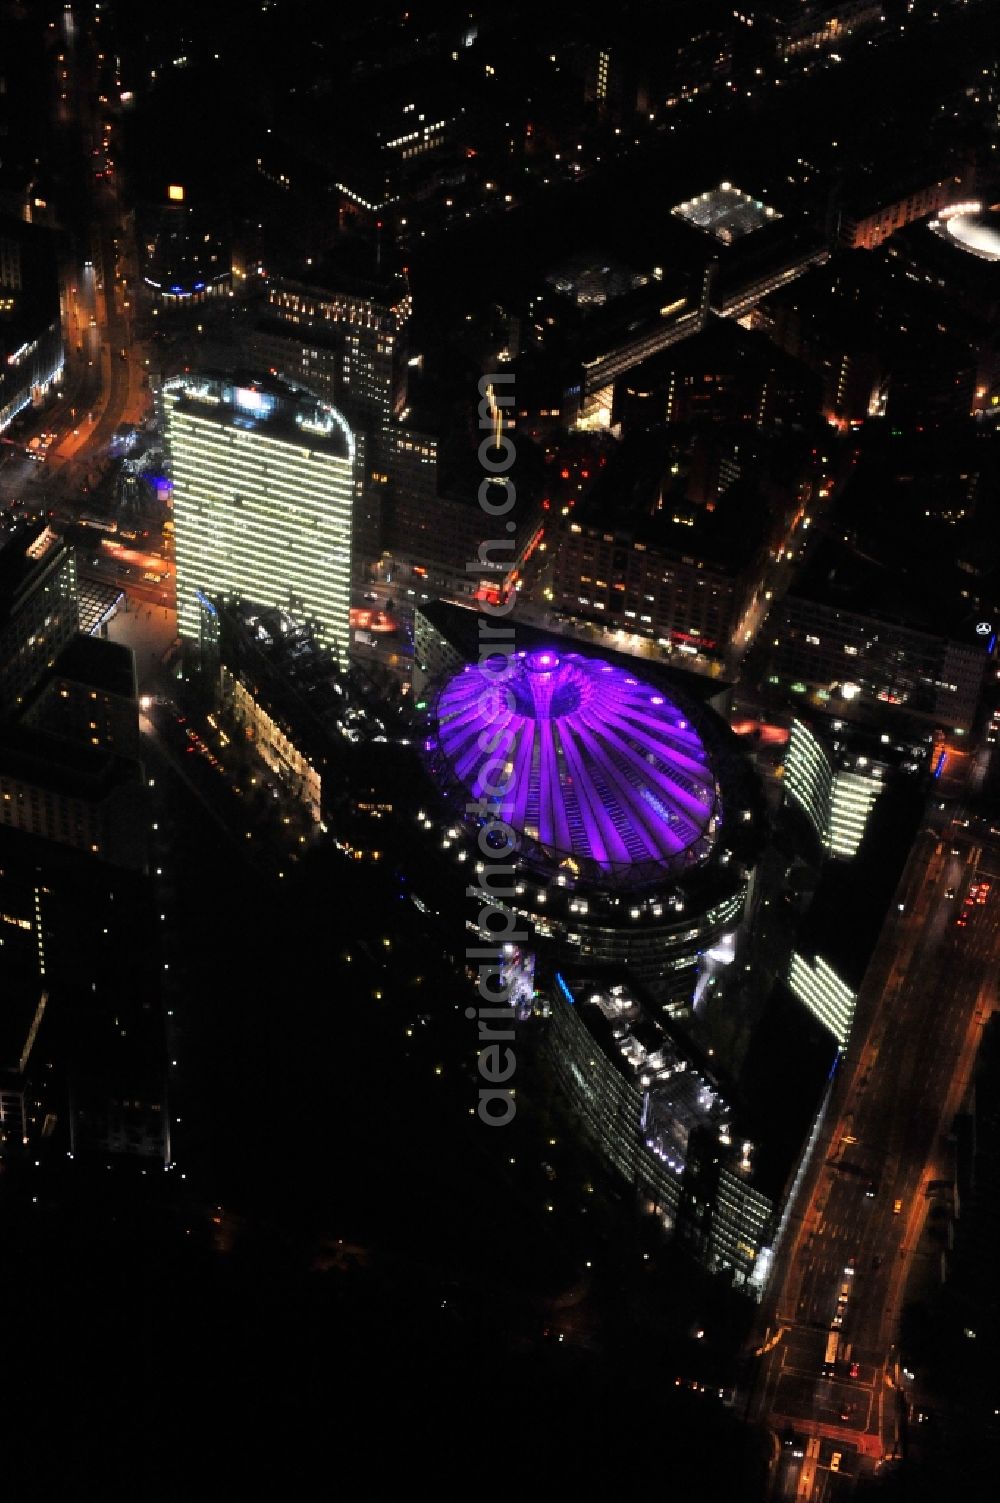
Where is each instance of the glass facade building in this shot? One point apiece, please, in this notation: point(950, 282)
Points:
point(817, 985)
point(837, 801)
point(264, 494)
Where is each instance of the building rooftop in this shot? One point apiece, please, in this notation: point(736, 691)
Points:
point(784, 1075)
point(681, 1088)
point(726, 212)
point(98, 603)
point(67, 767)
point(98, 663)
point(642, 495)
point(603, 773)
point(895, 576)
point(26, 550)
point(188, 253)
point(591, 280)
point(351, 272)
point(459, 625)
point(264, 404)
point(291, 672)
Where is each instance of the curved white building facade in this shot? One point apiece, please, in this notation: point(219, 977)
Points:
point(263, 495)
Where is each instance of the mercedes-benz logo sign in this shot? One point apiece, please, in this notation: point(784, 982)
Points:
point(983, 628)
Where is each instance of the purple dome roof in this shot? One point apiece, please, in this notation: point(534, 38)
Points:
point(594, 769)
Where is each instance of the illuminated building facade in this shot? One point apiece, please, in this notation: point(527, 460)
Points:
point(73, 795)
point(809, 777)
point(655, 592)
point(867, 228)
point(836, 801)
point(660, 1120)
point(276, 749)
point(412, 465)
point(264, 496)
point(282, 692)
point(803, 30)
point(818, 987)
point(641, 556)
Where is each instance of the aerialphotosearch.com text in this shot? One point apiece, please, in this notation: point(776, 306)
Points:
point(497, 922)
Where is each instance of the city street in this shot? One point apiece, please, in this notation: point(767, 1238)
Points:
point(848, 1250)
point(104, 382)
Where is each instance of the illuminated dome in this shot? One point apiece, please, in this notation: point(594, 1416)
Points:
point(976, 231)
point(599, 774)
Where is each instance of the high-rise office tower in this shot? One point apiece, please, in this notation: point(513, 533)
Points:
point(264, 495)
